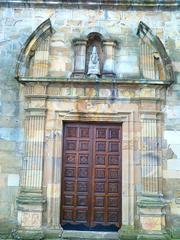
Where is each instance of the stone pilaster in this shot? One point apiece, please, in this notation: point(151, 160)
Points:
point(151, 205)
point(149, 155)
point(31, 200)
point(34, 148)
point(109, 54)
point(79, 58)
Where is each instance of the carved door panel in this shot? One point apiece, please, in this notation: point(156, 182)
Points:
point(106, 177)
point(91, 176)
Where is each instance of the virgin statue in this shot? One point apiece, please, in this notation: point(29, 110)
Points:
point(94, 66)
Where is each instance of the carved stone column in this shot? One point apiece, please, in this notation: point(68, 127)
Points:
point(151, 203)
point(31, 200)
point(79, 58)
point(109, 55)
point(150, 157)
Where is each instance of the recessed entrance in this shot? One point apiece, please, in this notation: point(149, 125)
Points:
point(91, 176)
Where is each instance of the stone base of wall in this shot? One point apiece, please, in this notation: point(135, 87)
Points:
point(153, 236)
point(35, 234)
point(175, 232)
point(126, 233)
point(52, 233)
point(130, 233)
point(28, 234)
point(6, 228)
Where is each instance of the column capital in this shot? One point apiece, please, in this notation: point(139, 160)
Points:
point(109, 43)
point(80, 42)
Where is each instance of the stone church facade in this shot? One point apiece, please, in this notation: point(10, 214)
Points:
point(90, 120)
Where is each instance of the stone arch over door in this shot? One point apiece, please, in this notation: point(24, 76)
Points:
point(49, 101)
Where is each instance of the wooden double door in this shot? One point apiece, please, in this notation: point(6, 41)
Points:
point(91, 177)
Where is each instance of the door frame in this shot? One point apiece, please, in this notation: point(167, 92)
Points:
point(128, 131)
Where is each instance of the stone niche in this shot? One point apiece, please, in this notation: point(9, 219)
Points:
point(49, 102)
point(105, 52)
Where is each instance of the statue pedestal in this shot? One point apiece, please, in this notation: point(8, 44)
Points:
point(30, 207)
point(151, 224)
point(152, 217)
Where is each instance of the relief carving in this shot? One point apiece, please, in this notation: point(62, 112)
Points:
point(30, 219)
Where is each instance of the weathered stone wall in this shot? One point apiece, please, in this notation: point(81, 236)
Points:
point(17, 23)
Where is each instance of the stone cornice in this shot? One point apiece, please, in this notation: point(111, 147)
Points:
point(94, 3)
point(130, 81)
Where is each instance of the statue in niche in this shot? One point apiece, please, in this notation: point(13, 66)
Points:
point(94, 65)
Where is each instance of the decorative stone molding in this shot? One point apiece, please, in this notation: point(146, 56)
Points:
point(106, 81)
point(39, 36)
point(127, 166)
point(113, 3)
point(147, 36)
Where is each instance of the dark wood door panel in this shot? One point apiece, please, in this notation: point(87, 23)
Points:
point(91, 175)
point(106, 177)
point(75, 172)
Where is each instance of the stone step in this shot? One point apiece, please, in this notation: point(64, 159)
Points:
point(77, 238)
point(89, 235)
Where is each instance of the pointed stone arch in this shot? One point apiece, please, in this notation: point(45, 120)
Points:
point(38, 40)
point(152, 41)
